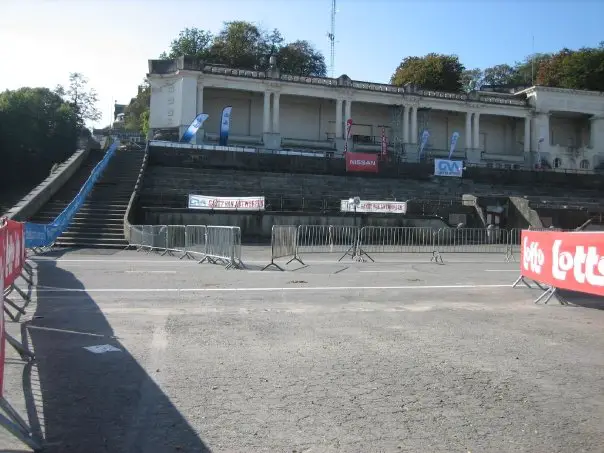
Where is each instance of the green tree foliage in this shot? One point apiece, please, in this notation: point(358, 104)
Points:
point(138, 105)
point(83, 100)
point(471, 79)
point(431, 72)
point(243, 45)
point(37, 129)
point(581, 69)
point(191, 42)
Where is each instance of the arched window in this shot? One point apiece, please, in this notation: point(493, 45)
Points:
point(584, 164)
point(557, 162)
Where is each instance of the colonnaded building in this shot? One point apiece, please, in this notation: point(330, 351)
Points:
point(561, 129)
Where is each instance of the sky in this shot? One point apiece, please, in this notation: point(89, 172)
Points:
point(111, 41)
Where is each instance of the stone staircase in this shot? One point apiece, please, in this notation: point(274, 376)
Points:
point(100, 221)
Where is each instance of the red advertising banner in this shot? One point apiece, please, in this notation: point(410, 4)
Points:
point(573, 261)
point(14, 251)
point(3, 230)
point(362, 162)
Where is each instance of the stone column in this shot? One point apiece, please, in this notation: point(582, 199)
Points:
point(276, 97)
point(476, 132)
point(405, 124)
point(414, 131)
point(188, 103)
point(348, 113)
point(527, 134)
point(199, 136)
point(468, 130)
point(266, 113)
point(339, 118)
point(596, 138)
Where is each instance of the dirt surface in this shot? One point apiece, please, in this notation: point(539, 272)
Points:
point(354, 357)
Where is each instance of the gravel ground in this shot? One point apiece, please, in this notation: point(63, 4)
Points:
point(355, 357)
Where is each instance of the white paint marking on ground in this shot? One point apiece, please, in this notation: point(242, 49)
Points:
point(150, 272)
point(102, 348)
point(502, 270)
point(388, 271)
point(293, 288)
point(194, 262)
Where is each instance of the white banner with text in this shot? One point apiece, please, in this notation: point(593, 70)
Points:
point(369, 206)
point(226, 203)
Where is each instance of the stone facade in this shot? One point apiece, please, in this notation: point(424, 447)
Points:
point(563, 129)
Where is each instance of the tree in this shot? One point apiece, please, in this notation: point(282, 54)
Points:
point(301, 58)
point(582, 69)
point(191, 42)
point(471, 79)
point(137, 106)
point(243, 45)
point(501, 74)
point(37, 130)
point(431, 72)
point(82, 99)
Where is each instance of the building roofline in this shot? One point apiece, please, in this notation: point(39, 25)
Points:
point(173, 67)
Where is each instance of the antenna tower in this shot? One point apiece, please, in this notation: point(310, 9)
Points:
point(332, 39)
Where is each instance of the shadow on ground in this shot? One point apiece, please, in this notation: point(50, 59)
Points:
point(96, 402)
point(582, 299)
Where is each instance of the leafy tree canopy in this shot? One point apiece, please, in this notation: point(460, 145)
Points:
point(37, 129)
point(243, 45)
point(431, 72)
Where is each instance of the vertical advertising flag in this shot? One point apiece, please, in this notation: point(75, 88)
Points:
point(454, 139)
point(225, 126)
point(423, 141)
point(193, 128)
point(384, 143)
point(348, 129)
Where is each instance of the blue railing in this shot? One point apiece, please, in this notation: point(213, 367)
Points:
point(44, 235)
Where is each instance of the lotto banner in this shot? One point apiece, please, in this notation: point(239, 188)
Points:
point(3, 230)
point(573, 261)
point(14, 251)
point(362, 162)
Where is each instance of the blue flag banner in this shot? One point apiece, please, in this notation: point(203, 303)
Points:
point(225, 126)
point(193, 128)
point(43, 235)
point(423, 142)
point(454, 139)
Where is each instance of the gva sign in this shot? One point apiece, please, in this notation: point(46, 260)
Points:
point(443, 167)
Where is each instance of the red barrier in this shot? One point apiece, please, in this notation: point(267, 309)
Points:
point(573, 261)
point(14, 251)
point(362, 162)
point(3, 231)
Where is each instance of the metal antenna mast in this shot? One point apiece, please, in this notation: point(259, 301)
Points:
point(332, 39)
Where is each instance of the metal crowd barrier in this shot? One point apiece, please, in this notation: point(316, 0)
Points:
point(362, 242)
point(213, 244)
point(284, 244)
point(223, 246)
point(328, 239)
point(195, 240)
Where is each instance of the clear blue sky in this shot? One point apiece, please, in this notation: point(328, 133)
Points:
point(110, 41)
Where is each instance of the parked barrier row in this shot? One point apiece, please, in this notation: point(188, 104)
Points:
point(214, 244)
point(363, 242)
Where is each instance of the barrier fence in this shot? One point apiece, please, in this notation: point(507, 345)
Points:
point(214, 244)
point(12, 267)
point(284, 244)
point(222, 245)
